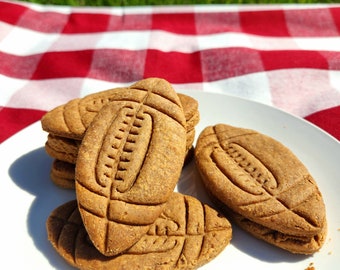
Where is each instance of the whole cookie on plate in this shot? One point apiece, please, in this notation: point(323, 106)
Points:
point(186, 235)
point(128, 164)
point(263, 185)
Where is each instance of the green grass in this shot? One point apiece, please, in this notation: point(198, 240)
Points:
point(170, 2)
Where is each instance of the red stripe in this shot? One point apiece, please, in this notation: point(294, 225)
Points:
point(265, 23)
point(293, 59)
point(328, 119)
point(336, 17)
point(124, 65)
point(89, 23)
point(225, 63)
point(310, 23)
point(118, 65)
point(13, 120)
point(130, 22)
point(20, 67)
point(10, 12)
point(55, 22)
point(211, 23)
point(46, 22)
point(173, 66)
point(86, 23)
point(183, 23)
point(64, 64)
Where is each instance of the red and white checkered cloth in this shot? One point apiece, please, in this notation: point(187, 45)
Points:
point(286, 56)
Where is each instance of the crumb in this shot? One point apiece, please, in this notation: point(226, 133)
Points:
point(330, 253)
point(310, 266)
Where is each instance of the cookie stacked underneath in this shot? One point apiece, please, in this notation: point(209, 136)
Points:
point(129, 146)
point(67, 124)
point(263, 187)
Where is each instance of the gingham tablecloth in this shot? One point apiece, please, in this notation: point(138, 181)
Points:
point(287, 56)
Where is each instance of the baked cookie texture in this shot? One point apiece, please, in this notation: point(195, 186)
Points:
point(187, 235)
point(129, 162)
point(263, 186)
point(61, 148)
point(63, 174)
point(71, 120)
point(65, 150)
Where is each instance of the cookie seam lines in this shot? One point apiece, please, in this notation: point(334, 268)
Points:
point(161, 109)
point(286, 208)
point(148, 92)
point(119, 146)
point(275, 196)
point(248, 166)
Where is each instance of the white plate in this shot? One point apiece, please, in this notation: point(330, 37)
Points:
point(28, 196)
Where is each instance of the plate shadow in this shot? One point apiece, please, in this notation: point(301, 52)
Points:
point(31, 173)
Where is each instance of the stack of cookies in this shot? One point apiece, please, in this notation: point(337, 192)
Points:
point(67, 124)
point(123, 150)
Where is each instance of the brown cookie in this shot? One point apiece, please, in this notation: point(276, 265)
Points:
point(61, 148)
point(62, 174)
point(128, 164)
point(186, 235)
point(292, 243)
point(71, 120)
point(65, 149)
point(191, 112)
point(261, 180)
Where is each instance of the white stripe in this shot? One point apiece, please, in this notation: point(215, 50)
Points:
point(227, 40)
point(24, 42)
point(319, 44)
point(251, 86)
point(27, 93)
point(302, 91)
point(129, 40)
point(8, 87)
point(223, 40)
point(169, 42)
point(334, 79)
point(86, 9)
point(254, 86)
point(90, 86)
point(42, 8)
